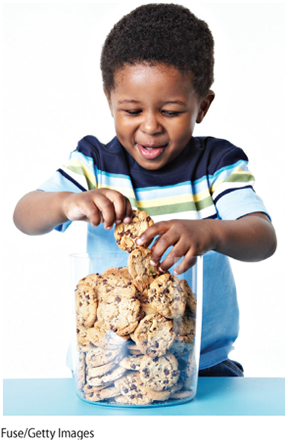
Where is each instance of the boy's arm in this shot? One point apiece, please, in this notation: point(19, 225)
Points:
point(250, 238)
point(40, 212)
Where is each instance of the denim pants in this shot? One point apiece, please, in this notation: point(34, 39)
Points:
point(225, 368)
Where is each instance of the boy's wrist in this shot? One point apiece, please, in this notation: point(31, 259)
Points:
point(62, 203)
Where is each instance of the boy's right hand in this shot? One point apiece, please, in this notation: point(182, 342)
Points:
point(96, 206)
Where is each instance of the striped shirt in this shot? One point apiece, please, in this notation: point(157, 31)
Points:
point(209, 179)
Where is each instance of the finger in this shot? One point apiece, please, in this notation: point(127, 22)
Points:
point(122, 206)
point(129, 211)
point(187, 263)
point(154, 243)
point(164, 242)
point(106, 207)
point(177, 252)
point(152, 231)
point(91, 212)
point(123, 209)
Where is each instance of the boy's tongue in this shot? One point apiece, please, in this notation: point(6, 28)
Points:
point(150, 152)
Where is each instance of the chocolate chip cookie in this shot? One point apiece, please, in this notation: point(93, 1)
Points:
point(127, 234)
point(167, 296)
point(142, 272)
point(85, 305)
point(159, 373)
point(154, 335)
point(119, 311)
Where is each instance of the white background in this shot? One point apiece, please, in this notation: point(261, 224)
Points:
point(53, 97)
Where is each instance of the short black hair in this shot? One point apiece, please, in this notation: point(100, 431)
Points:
point(161, 33)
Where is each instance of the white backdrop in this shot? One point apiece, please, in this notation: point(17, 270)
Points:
point(53, 97)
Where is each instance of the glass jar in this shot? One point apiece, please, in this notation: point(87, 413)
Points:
point(136, 331)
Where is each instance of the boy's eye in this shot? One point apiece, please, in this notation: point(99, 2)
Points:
point(170, 113)
point(133, 112)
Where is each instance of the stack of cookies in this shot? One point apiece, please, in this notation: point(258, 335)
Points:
point(135, 329)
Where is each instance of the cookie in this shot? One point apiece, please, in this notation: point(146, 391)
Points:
point(132, 348)
point(82, 336)
point(161, 395)
point(131, 362)
point(127, 234)
point(100, 356)
point(119, 311)
point(106, 378)
point(80, 371)
point(90, 389)
point(132, 389)
point(167, 296)
point(85, 305)
point(123, 271)
point(184, 328)
point(146, 309)
point(108, 340)
point(154, 335)
point(110, 279)
point(100, 370)
point(105, 393)
point(182, 394)
point(179, 348)
point(141, 271)
point(91, 280)
point(190, 300)
point(159, 373)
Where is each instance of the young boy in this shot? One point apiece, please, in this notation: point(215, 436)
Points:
point(157, 67)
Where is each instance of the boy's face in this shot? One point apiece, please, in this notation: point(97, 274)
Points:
point(155, 111)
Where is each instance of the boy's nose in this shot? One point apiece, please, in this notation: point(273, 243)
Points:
point(150, 125)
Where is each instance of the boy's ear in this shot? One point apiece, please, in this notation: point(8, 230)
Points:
point(204, 105)
point(108, 96)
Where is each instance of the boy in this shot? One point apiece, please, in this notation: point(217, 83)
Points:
point(157, 68)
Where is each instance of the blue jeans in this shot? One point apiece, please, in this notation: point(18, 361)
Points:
point(225, 368)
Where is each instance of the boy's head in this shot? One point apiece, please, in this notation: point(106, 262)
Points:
point(160, 33)
point(157, 67)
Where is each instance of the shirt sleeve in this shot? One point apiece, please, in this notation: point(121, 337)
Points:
point(231, 187)
point(77, 175)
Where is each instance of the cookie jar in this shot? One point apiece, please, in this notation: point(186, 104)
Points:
point(135, 337)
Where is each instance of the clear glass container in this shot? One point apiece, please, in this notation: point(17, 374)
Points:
point(136, 334)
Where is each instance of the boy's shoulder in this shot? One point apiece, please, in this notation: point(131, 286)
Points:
point(217, 153)
point(90, 145)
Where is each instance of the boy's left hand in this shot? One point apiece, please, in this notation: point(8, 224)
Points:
point(188, 238)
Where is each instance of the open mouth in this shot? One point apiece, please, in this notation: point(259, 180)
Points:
point(150, 153)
